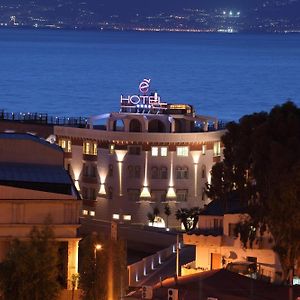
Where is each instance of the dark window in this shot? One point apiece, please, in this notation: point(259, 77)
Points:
point(164, 173)
point(110, 170)
point(133, 194)
point(154, 173)
point(134, 150)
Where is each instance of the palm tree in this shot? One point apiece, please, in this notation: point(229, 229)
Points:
point(151, 217)
point(188, 217)
point(167, 212)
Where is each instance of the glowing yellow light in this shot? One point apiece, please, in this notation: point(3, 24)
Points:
point(98, 247)
point(145, 193)
point(102, 189)
point(171, 192)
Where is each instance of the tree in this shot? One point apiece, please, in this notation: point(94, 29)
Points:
point(262, 166)
point(29, 272)
point(167, 211)
point(104, 271)
point(188, 217)
point(151, 217)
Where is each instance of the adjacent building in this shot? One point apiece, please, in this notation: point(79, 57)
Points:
point(218, 244)
point(35, 187)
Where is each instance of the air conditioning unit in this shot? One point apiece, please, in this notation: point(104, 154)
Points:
point(172, 294)
point(147, 292)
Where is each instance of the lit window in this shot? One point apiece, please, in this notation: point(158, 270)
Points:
point(154, 151)
point(116, 216)
point(92, 213)
point(217, 148)
point(111, 149)
point(85, 212)
point(163, 151)
point(65, 144)
point(127, 217)
point(183, 151)
point(203, 149)
point(90, 148)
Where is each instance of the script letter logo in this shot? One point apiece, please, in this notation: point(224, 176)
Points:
point(144, 86)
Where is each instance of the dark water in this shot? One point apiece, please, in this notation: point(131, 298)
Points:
point(83, 73)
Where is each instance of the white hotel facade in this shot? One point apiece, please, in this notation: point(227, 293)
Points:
point(148, 154)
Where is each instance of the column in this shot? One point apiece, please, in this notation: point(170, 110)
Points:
point(72, 260)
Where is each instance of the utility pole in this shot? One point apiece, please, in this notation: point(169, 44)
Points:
point(177, 257)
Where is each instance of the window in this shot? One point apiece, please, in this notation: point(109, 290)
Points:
point(232, 230)
point(203, 194)
point(85, 170)
point(84, 193)
point(134, 172)
point(182, 173)
point(110, 170)
point(110, 192)
point(111, 149)
point(181, 195)
point(85, 212)
point(154, 151)
point(127, 217)
point(183, 151)
point(94, 171)
point(65, 144)
point(154, 173)
point(116, 216)
point(90, 148)
point(134, 150)
point(137, 172)
point(203, 149)
point(164, 151)
point(203, 172)
point(133, 194)
point(217, 148)
point(159, 195)
point(92, 213)
point(164, 173)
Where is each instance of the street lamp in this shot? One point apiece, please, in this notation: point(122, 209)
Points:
point(97, 247)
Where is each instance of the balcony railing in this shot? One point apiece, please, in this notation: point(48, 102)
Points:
point(43, 118)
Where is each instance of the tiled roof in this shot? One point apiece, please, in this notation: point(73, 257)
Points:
point(33, 173)
point(28, 136)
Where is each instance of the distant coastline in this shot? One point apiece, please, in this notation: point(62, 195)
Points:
point(148, 29)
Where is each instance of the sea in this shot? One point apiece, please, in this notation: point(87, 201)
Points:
point(83, 73)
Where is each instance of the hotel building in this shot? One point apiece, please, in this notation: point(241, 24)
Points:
point(148, 154)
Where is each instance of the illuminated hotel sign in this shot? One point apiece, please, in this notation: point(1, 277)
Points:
point(144, 102)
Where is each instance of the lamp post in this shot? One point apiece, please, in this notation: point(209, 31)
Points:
point(97, 247)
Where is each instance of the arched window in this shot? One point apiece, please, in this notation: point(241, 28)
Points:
point(130, 170)
point(154, 173)
point(164, 173)
point(203, 171)
point(118, 125)
point(156, 126)
point(135, 126)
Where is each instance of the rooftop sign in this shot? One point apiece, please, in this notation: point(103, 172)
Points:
point(144, 102)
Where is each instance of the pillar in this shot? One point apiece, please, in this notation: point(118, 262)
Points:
point(72, 260)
